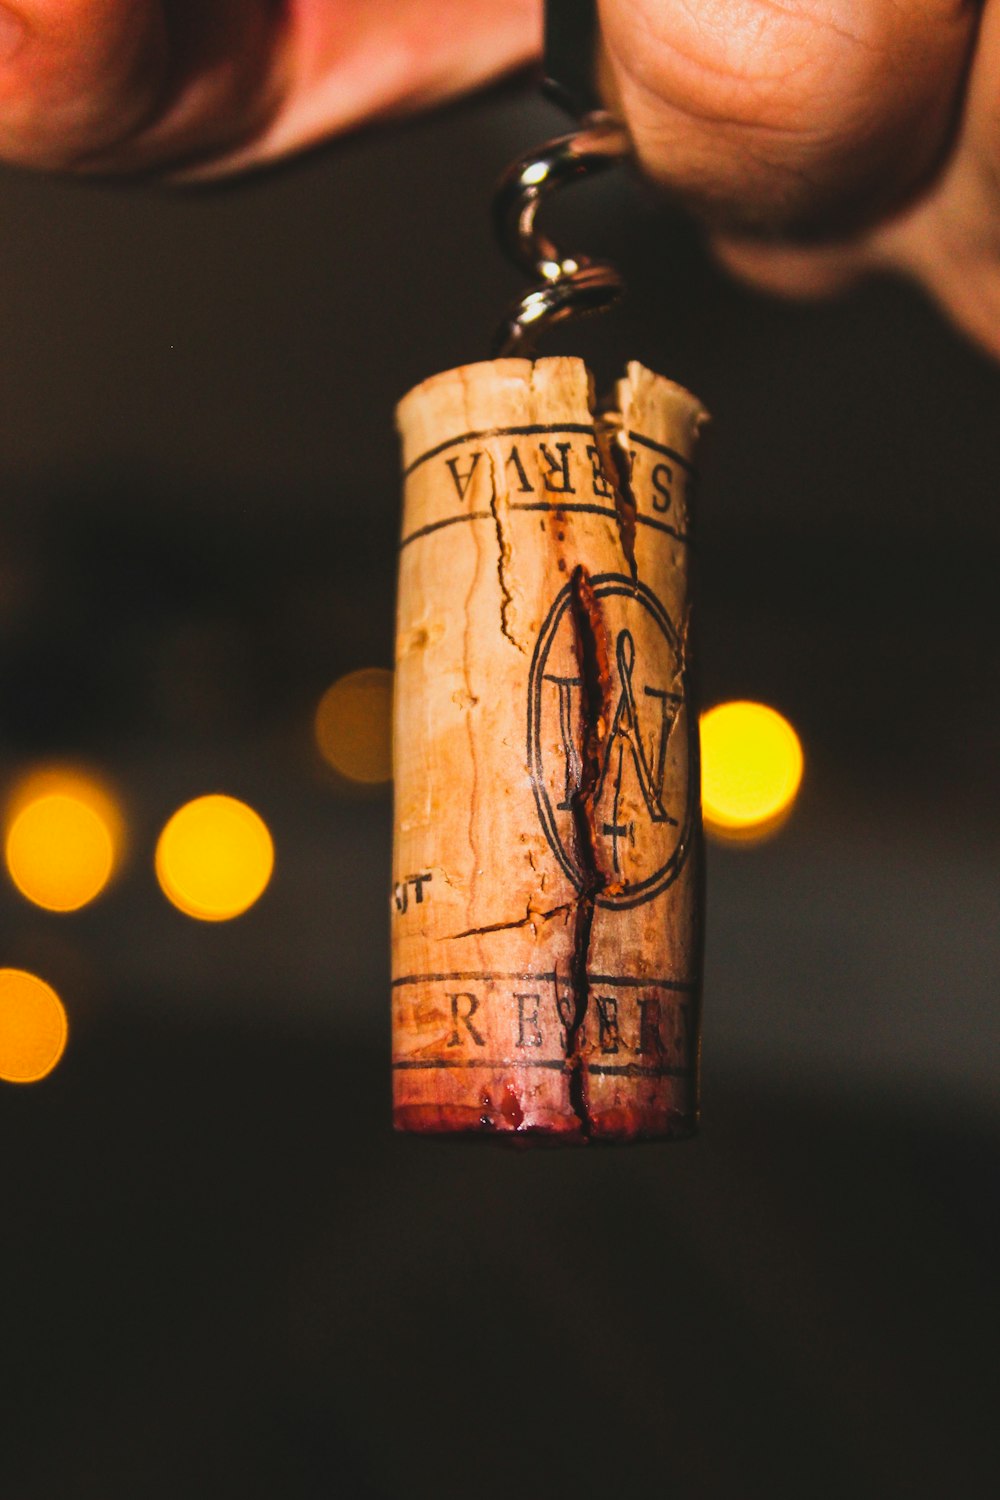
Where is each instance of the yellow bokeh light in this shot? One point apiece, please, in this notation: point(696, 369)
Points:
point(33, 1027)
point(751, 770)
point(354, 725)
point(214, 858)
point(63, 838)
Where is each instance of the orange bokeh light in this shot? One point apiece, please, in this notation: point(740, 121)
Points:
point(354, 725)
point(214, 858)
point(64, 836)
point(751, 771)
point(33, 1027)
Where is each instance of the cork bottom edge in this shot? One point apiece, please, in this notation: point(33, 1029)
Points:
point(609, 1128)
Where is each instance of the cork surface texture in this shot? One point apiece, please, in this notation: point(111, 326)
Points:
point(546, 904)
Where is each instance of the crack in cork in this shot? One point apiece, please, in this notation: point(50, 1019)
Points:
point(531, 916)
point(590, 643)
point(616, 466)
point(504, 551)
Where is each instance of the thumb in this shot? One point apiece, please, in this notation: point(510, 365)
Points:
point(102, 84)
point(802, 118)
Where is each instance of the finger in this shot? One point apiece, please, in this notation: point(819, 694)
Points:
point(76, 75)
point(116, 84)
point(951, 241)
point(353, 61)
point(215, 85)
point(778, 116)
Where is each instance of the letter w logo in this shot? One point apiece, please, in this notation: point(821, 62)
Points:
point(626, 739)
point(626, 745)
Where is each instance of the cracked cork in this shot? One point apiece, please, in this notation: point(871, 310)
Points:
point(546, 889)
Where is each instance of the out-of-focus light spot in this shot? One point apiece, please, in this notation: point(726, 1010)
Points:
point(214, 858)
point(354, 725)
point(751, 769)
point(33, 1027)
point(63, 838)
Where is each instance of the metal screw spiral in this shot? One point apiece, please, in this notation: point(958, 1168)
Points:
point(570, 285)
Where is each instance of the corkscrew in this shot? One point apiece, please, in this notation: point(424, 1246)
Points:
point(567, 285)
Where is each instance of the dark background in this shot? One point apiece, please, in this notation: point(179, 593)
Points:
point(221, 1275)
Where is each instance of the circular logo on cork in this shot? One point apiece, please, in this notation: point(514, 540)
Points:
point(609, 740)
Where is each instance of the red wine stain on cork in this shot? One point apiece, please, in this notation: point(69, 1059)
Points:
point(510, 1107)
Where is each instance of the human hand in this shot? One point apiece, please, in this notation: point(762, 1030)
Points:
point(817, 138)
point(823, 139)
point(203, 88)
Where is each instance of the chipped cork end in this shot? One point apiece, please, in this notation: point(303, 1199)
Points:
point(546, 903)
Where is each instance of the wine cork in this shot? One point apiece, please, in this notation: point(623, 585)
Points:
point(547, 875)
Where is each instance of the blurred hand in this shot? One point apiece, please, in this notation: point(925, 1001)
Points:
point(821, 139)
point(818, 138)
point(212, 86)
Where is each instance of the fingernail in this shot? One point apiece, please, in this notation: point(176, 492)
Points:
point(12, 33)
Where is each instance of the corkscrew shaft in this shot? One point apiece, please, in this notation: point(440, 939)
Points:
point(568, 285)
